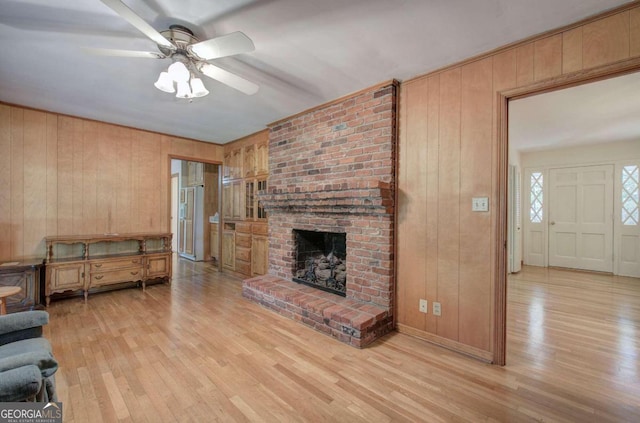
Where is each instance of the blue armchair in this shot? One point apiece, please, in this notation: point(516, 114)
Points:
point(27, 365)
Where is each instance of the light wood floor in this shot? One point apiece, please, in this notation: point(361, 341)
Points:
point(197, 351)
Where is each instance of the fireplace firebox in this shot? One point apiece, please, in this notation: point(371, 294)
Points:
point(321, 260)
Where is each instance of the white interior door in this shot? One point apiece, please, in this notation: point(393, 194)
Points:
point(581, 218)
point(514, 221)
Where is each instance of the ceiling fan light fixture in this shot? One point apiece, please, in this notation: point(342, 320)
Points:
point(165, 83)
point(184, 91)
point(187, 53)
point(197, 87)
point(179, 72)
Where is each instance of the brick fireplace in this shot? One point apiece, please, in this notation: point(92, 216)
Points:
point(331, 170)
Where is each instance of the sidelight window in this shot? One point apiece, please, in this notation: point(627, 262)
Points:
point(536, 185)
point(630, 195)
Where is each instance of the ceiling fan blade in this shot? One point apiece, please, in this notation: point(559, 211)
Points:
point(135, 20)
point(226, 45)
point(228, 78)
point(123, 53)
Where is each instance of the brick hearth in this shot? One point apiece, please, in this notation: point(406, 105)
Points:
point(350, 321)
point(332, 170)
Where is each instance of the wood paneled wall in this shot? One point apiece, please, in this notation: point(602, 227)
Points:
point(448, 153)
point(61, 175)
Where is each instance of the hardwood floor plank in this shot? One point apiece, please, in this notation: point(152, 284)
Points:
point(197, 351)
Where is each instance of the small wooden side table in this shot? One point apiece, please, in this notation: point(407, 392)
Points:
point(7, 291)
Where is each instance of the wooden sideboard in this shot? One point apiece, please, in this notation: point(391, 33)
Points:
point(85, 262)
point(26, 275)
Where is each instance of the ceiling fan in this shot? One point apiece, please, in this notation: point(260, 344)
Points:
point(189, 55)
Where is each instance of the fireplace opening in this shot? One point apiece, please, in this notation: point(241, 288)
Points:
point(321, 260)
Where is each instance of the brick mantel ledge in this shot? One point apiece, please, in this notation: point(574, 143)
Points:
point(351, 197)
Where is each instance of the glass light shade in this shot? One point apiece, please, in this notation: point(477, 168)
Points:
point(183, 90)
point(179, 72)
point(165, 83)
point(198, 88)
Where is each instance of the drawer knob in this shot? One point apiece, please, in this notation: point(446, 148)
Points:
point(99, 277)
point(134, 273)
point(98, 265)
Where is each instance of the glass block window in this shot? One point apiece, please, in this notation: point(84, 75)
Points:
point(630, 190)
point(536, 183)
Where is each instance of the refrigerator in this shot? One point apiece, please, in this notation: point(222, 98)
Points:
point(191, 223)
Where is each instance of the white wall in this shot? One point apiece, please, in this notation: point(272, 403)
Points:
point(585, 155)
point(626, 239)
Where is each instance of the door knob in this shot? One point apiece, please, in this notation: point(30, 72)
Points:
point(552, 223)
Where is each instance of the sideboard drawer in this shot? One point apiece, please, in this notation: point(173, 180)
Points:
point(116, 276)
point(110, 264)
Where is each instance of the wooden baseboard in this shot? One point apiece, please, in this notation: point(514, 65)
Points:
point(486, 356)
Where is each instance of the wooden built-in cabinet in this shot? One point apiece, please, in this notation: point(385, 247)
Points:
point(244, 234)
point(86, 262)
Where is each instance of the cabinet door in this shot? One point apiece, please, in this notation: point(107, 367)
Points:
point(249, 161)
point(226, 167)
point(158, 266)
point(249, 200)
point(261, 185)
point(259, 255)
point(262, 159)
point(229, 249)
point(237, 197)
point(236, 163)
point(227, 201)
point(62, 277)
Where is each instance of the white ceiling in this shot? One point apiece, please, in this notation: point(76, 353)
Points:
point(594, 113)
point(307, 52)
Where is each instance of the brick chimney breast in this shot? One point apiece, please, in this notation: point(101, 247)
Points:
point(332, 169)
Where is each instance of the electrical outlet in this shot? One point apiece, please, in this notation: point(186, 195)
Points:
point(437, 309)
point(424, 306)
point(480, 204)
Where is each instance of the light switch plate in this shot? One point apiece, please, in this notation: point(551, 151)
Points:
point(480, 204)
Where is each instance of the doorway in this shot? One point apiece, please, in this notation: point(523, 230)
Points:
point(574, 198)
point(175, 186)
point(574, 146)
point(196, 203)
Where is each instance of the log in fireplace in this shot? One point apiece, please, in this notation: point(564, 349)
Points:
point(321, 260)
